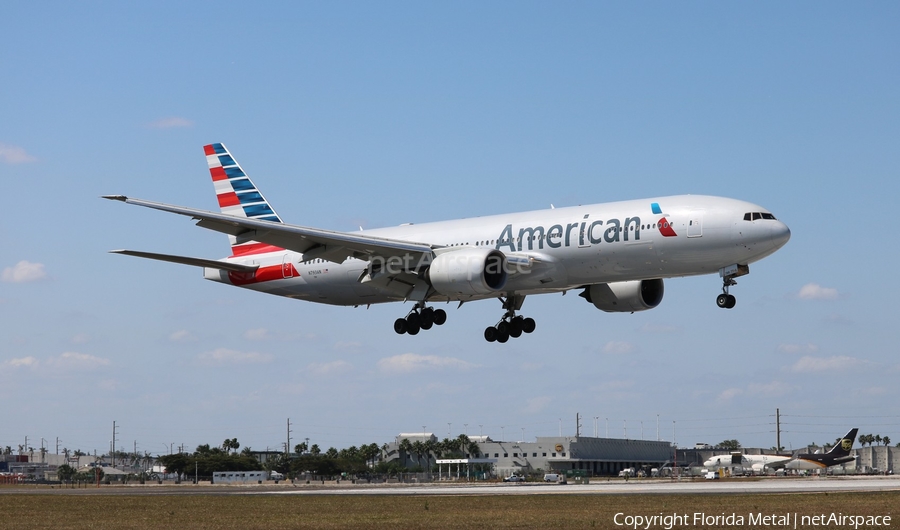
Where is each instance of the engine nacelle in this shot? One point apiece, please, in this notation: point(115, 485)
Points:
point(625, 297)
point(468, 272)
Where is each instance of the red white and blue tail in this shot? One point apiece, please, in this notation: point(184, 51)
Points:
point(238, 196)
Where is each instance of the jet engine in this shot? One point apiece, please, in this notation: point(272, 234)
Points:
point(468, 272)
point(625, 297)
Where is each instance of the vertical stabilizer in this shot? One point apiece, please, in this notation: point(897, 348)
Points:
point(844, 445)
point(238, 196)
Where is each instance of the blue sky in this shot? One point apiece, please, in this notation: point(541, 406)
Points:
point(375, 114)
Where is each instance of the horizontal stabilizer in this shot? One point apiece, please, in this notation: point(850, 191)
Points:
point(183, 260)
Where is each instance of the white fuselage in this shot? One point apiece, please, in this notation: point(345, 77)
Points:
point(755, 462)
point(561, 249)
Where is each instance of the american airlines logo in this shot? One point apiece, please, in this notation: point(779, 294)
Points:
point(581, 233)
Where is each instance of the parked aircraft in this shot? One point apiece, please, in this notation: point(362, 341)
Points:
point(617, 254)
point(838, 454)
point(758, 463)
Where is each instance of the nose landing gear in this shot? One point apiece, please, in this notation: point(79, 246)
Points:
point(421, 317)
point(725, 300)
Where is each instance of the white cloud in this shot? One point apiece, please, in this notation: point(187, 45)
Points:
point(798, 348)
point(333, 367)
point(24, 272)
point(537, 404)
point(729, 393)
point(73, 360)
point(413, 362)
point(227, 356)
point(618, 347)
point(809, 364)
point(23, 362)
point(12, 154)
point(182, 335)
point(257, 334)
point(814, 291)
point(171, 122)
point(348, 345)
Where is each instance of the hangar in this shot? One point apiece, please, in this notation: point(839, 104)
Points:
point(593, 456)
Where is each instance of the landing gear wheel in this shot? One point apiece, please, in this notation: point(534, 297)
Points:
point(427, 315)
point(515, 327)
point(413, 320)
point(412, 330)
point(528, 325)
point(400, 326)
point(490, 334)
point(730, 302)
point(503, 328)
point(502, 336)
point(722, 301)
point(440, 316)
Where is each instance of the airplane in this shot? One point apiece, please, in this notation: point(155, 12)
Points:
point(758, 463)
point(617, 254)
point(839, 454)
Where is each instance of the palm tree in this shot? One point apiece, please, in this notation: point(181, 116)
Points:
point(886, 440)
point(406, 448)
point(878, 439)
point(419, 449)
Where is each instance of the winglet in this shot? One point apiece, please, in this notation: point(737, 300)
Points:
point(115, 197)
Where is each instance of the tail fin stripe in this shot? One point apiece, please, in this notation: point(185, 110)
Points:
point(218, 173)
point(228, 199)
point(242, 185)
point(250, 197)
point(258, 210)
point(226, 160)
point(234, 172)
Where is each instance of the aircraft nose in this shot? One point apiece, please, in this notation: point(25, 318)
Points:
point(780, 234)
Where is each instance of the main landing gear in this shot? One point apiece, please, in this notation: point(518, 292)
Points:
point(421, 317)
point(510, 325)
point(725, 300)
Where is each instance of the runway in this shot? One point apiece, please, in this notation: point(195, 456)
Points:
point(598, 487)
point(619, 487)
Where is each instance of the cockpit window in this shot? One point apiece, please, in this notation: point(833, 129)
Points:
point(753, 216)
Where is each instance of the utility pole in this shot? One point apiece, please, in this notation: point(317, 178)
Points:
point(657, 427)
point(287, 448)
point(113, 452)
point(57, 445)
point(777, 430)
point(577, 425)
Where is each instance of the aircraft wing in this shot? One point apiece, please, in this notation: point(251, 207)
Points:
point(311, 242)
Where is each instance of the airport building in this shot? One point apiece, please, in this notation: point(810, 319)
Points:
point(592, 456)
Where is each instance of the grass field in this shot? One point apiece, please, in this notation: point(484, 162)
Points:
point(116, 512)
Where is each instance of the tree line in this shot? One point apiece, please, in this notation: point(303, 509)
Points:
point(311, 460)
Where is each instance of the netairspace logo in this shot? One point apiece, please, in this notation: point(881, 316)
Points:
point(752, 520)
